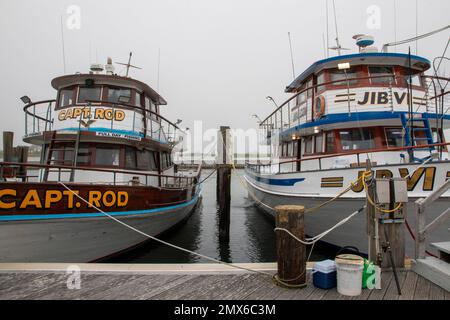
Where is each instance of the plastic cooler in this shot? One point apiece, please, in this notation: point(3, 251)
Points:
point(324, 275)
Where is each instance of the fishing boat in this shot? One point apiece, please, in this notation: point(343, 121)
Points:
point(106, 152)
point(343, 111)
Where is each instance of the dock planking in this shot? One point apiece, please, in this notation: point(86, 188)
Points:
point(135, 285)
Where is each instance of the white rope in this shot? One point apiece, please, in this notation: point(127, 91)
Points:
point(162, 241)
point(313, 240)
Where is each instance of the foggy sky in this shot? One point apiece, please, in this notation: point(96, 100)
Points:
point(219, 59)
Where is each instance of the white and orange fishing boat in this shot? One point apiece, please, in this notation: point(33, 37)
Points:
point(103, 138)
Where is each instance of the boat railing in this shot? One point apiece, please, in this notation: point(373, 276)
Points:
point(353, 159)
point(12, 171)
point(435, 100)
point(39, 117)
point(422, 228)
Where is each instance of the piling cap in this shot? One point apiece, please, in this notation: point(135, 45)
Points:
point(352, 259)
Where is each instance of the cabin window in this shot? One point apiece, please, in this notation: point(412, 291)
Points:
point(137, 99)
point(394, 137)
point(330, 142)
point(295, 148)
point(115, 93)
point(356, 139)
point(415, 79)
point(107, 155)
point(320, 81)
point(336, 75)
point(379, 72)
point(130, 158)
point(65, 97)
point(86, 94)
point(308, 145)
point(166, 160)
point(84, 154)
point(301, 98)
point(146, 160)
point(318, 141)
point(289, 149)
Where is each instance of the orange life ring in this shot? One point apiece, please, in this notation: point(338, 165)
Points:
point(319, 107)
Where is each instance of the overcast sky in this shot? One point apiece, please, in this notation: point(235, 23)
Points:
point(219, 59)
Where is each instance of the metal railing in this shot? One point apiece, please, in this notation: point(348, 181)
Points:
point(435, 101)
point(360, 160)
point(39, 118)
point(17, 170)
point(422, 228)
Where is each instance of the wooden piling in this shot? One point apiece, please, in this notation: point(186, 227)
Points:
point(371, 220)
point(223, 188)
point(291, 254)
point(8, 138)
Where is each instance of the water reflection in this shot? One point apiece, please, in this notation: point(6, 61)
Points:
point(252, 238)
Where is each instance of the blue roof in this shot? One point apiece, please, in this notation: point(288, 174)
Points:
point(315, 66)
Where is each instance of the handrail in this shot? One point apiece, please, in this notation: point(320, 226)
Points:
point(359, 152)
point(421, 227)
point(338, 81)
point(115, 171)
point(27, 106)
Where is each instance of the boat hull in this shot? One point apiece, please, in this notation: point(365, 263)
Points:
point(84, 237)
point(351, 233)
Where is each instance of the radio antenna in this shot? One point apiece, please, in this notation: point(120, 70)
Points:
point(128, 65)
point(328, 32)
point(62, 44)
point(338, 45)
point(292, 55)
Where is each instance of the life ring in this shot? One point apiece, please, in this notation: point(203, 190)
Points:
point(319, 107)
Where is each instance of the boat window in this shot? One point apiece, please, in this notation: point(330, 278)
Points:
point(356, 139)
point(330, 143)
point(309, 85)
point(130, 158)
point(301, 98)
point(84, 154)
point(382, 71)
point(115, 93)
point(146, 160)
point(415, 79)
point(137, 99)
point(85, 94)
point(319, 143)
point(289, 147)
point(65, 97)
point(394, 137)
point(166, 160)
point(107, 155)
point(337, 74)
point(308, 144)
point(320, 80)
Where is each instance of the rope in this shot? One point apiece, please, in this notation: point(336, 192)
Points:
point(162, 241)
point(369, 199)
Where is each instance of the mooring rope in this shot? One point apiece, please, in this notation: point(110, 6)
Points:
point(162, 241)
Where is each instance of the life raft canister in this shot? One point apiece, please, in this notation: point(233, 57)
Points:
point(319, 107)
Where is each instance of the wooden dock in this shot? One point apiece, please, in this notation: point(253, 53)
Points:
point(186, 282)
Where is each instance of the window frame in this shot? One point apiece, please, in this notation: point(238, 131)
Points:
point(79, 87)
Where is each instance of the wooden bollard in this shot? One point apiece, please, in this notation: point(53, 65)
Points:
point(291, 254)
point(224, 172)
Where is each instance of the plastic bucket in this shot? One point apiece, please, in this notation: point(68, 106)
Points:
point(349, 274)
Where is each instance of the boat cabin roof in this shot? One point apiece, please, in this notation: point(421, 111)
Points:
point(105, 79)
point(418, 64)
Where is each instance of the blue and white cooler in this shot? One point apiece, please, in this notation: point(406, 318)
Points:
point(324, 274)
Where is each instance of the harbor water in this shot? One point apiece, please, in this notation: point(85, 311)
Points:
point(252, 238)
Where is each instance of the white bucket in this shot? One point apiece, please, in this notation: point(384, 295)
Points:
point(349, 274)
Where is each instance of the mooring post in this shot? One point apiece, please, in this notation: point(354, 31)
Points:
point(291, 254)
point(8, 138)
point(223, 189)
point(371, 218)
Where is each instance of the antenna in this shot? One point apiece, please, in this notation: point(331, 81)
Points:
point(395, 20)
point(292, 55)
point(159, 62)
point(328, 32)
point(63, 48)
point(338, 45)
point(128, 65)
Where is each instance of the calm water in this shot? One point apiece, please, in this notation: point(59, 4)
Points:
point(252, 238)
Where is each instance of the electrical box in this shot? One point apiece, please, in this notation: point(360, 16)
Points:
point(400, 190)
point(383, 190)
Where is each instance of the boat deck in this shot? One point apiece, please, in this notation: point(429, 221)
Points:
point(187, 282)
